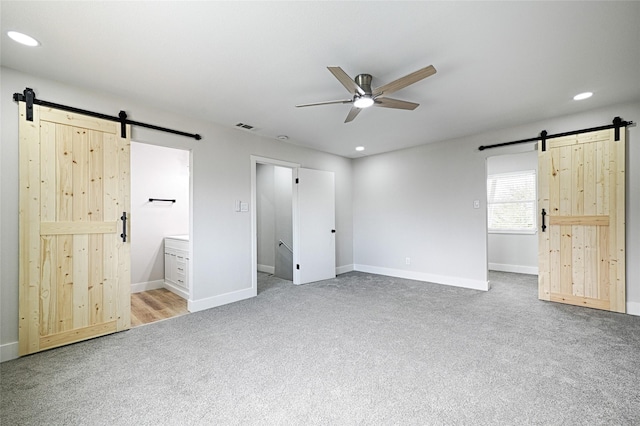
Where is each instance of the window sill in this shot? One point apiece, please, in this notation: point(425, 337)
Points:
point(514, 232)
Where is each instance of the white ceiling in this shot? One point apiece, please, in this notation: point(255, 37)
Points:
point(499, 63)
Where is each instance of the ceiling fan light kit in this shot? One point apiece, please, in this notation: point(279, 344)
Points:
point(363, 102)
point(364, 96)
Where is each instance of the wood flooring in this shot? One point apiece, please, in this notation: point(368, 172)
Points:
point(155, 305)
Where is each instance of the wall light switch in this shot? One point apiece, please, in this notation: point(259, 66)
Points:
point(237, 206)
point(244, 207)
point(476, 204)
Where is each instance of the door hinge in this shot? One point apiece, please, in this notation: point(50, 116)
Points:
point(297, 180)
point(297, 266)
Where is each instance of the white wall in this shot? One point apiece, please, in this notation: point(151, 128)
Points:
point(418, 203)
point(221, 174)
point(156, 172)
point(513, 252)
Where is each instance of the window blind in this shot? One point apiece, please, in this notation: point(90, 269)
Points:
point(511, 202)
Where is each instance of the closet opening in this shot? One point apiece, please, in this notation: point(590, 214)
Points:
point(160, 226)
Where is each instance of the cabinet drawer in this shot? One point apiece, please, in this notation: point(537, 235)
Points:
point(181, 281)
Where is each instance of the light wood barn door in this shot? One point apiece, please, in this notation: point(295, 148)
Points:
point(581, 187)
point(74, 274)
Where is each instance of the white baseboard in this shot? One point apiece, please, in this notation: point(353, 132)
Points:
point(518, 269)
point(176, 290)
point(149, 285)
point(267, 269)
point(344, 269)
point(633, 308)
point(339, 269)
point(422, 276)
point(223, 299)
point(8, 351)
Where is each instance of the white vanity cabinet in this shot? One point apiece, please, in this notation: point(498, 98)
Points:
point(176, 264)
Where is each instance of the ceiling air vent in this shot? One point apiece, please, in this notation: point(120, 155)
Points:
point(244, 126)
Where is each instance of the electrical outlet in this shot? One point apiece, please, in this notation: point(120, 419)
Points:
point(407, 260)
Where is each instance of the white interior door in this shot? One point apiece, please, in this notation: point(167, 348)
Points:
point(314, 243)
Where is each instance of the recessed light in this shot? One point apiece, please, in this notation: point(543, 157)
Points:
point(581, 96)
point(359, 148)
point(283, 137)
point(23, 39)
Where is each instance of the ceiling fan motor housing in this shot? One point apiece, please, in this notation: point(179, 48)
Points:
point(364, 81)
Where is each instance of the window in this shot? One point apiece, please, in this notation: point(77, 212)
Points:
point(511, 202)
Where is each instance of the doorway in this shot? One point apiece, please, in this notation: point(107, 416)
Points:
point(271, 221)
point(274, 220)
point(160, 208)
point(512, 241)
point(313, 218)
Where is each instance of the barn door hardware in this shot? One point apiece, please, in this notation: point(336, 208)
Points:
point(29, 97)
point(616, 125)
point(543, 216)
point(124, 227)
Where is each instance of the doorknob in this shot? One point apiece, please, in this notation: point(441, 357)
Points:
point(333, 231)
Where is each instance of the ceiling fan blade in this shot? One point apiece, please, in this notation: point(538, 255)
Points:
point(346, 81)
point(403, 82)
point(347, 101)
point(352, 114)
point(395, 103)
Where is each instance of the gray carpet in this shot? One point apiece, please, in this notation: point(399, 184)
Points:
point(359, 349)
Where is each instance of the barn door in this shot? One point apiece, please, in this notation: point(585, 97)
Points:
point(582, 193)
point(74, 265)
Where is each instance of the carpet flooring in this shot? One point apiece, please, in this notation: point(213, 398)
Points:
point(356, 350)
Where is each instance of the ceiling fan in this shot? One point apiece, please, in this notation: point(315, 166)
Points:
point(364, 96)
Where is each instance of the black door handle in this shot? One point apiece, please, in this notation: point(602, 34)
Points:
point(333, 231)
point(543, 215)
point(124, 227)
